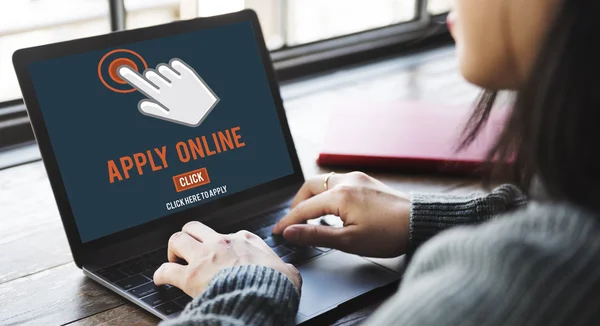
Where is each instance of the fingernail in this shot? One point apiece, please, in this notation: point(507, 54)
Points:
point(174, 236)
point(291, 233)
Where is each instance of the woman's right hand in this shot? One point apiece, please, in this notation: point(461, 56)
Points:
point(376, 217)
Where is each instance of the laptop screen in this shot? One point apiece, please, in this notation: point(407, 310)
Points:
point(156, 127)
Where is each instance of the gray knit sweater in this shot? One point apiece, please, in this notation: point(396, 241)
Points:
point(537, 265)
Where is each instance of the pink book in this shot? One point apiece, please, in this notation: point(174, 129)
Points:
point(405, 136)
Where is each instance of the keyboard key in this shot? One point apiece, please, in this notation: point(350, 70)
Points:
point(262, 225)
point(163, 296)
point(302, 255)
point(149, 273)
point(183, 301)
point(146, 265)
point(146, 289)
point(157, 258)
point(133, 268)
point(112, 274)
point(323, 249)
point(281, 251)
point(263, 232)
point(132, 282)
point(169, 308)
point(293, 247)
point(269, 219)
point(274, 241)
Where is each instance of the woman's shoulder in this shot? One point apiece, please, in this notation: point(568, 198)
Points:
point(535, 266)
point(540, 232)
point(550, 219)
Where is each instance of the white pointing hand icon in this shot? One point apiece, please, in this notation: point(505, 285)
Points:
point(175, 92)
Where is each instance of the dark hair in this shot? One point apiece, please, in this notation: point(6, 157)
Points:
point(553, 132)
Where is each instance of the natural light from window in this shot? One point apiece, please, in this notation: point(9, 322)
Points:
point(25, 23)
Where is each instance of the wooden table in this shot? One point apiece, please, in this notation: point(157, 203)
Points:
point(40, 285)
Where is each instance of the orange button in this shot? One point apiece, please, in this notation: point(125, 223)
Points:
point(192, 179)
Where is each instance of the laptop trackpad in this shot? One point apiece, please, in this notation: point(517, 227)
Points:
point(339, 277)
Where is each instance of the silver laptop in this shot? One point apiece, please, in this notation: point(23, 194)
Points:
point(144, 130)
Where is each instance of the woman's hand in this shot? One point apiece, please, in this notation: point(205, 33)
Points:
point(207, 252)
point(376, 218)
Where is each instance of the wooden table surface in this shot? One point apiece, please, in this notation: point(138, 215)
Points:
point(39, 283)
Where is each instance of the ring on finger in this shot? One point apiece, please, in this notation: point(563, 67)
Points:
point(326, 181)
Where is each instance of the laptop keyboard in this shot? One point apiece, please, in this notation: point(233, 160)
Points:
point(135, 275)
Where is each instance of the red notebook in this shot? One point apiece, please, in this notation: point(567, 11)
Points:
point(406, 136)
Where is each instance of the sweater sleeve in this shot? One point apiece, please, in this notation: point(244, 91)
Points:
point(432, 213)
point(536, 266)
point(243, 295)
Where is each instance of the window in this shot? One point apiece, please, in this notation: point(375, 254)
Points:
point(287, 22)
point(143, 13)
point(340, 17)
point(436, 7)
point(305, 36)
point(35, 22)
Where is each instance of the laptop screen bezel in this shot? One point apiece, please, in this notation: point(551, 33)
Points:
point(24, 57)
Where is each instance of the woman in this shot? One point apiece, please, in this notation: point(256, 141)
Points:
point(504, 262)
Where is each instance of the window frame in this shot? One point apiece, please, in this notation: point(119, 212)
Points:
point(420, 21)
point(290, 63)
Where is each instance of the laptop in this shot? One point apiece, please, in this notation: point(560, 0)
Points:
point(142, 131)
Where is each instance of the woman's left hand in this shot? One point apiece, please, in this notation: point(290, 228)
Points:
point(207, 252)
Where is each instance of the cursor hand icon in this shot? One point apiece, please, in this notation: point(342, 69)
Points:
point(175, 92)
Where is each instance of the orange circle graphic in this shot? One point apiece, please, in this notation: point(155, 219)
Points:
point(113, 66)
point(100, 69)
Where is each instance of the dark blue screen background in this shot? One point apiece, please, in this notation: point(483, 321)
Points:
point(89, 125)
